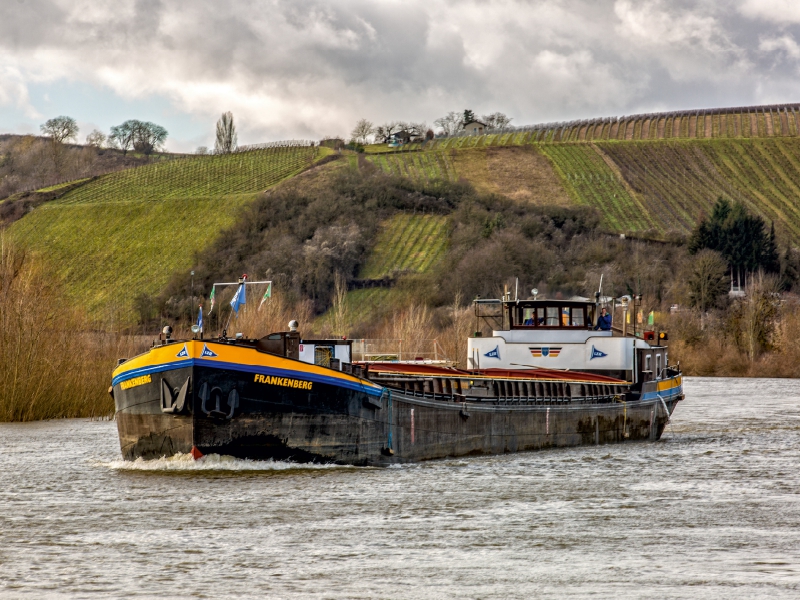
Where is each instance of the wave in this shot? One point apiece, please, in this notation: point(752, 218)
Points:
point(212, 462)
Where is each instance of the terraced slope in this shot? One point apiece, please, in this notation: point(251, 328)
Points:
point(677, 182)
point(198, 176)
point(709, 123)
point(520, 172)
point(407, 244)
point(592, 181)
point(124, 234)
point(654, 188)
point(419, 166)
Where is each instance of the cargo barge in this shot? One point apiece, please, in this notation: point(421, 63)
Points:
point(544, 378)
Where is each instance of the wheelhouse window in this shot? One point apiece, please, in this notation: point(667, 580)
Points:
point(554, 315)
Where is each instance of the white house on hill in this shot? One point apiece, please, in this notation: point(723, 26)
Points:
point(475, 127)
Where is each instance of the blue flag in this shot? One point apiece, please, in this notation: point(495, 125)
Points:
point(200, 318)
point(238, 299)
point(597, 353)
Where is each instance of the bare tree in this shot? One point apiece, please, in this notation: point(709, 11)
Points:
point(759, 311)
point(201, 150)
point(416, 129)
point(362, 131)
point(60, 129)
point(496, 120)
point(341, 309)
point(121, 136)
point(451, 123)
point(385, 131)
point(227, 137)
point(96, 139)
point(707, 279)
point(142, 136)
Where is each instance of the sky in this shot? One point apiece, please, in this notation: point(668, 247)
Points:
point(301, 69)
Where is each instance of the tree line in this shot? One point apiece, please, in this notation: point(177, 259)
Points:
point(144, 137)
point(450, 124)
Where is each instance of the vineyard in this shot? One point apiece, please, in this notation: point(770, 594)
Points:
point(677, 182)
point(418, 166)
point(214, 175)
point(125, 234)
point(407, 244)
point(778, 120)
point(656, 189)
point(591, 181)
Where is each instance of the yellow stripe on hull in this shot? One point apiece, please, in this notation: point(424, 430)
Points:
point(227, 354)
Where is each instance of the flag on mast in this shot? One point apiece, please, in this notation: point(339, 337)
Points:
point(267, 294)
point(200, 319)
point(211, 299)
point(239, 297)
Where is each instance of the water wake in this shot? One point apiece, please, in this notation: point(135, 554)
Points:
point(211, 462)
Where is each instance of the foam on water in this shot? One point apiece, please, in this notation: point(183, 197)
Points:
point(212, 462)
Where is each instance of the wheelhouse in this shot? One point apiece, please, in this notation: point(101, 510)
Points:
point(550, 314)
point(537, 314)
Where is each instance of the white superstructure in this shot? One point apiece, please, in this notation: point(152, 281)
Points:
point(551, 334)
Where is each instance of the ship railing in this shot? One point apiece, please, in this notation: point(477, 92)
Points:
point(427, 351)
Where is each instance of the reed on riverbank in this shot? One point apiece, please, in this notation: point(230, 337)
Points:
point(51, 364)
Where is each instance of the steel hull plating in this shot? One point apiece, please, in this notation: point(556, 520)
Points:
point(304, 413)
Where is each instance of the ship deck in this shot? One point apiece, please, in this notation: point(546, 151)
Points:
point(384, 369)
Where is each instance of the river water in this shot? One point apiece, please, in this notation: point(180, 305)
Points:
point(710, 511)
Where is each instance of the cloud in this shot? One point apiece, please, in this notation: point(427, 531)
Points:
point(14, 92)
point(783, 43)
point(303, 69)
point(781, 12)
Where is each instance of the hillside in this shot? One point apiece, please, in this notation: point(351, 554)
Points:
point(122, 235)
point(29, 162)
point(121, 238)
point(655, 189)
point(776, 120)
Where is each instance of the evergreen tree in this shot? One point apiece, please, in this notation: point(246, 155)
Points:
point(469, 116)
point(790, 268)
point(740, 237)
point(770, 260)
point(709, 232)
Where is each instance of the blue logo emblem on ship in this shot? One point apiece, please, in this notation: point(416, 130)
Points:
point(206, 351)
point(494, 353)
point(183, 353)
point(597, 354)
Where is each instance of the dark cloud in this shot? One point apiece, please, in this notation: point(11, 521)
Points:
point(306, 68)
point(25, 24)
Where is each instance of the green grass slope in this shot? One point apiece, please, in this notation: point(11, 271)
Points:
point(124, 234)
point(407, 244)
point(591, 181)
point(656, 188)
point(677, 182)
point(198, 176)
